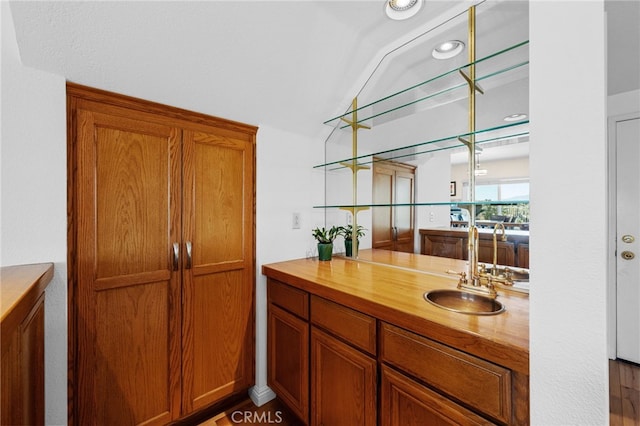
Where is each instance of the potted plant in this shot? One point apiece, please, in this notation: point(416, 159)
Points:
point(325, 239)
point(347, 233)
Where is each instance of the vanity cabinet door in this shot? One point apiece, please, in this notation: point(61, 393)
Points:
point(443, 246)
point(343, 383)
point(288, 351)
point(404, 402)
point(505, 251)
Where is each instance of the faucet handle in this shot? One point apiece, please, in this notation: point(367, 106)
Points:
point(463, 276)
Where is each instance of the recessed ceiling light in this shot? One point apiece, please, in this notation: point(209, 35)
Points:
point(402, 9)
point(515, 117)
point(448, 49)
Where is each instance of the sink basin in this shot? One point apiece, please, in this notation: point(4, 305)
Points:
point(464, 302)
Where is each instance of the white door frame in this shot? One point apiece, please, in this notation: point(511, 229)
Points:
point(611, 235)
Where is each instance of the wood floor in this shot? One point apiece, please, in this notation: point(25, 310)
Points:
point(624, 394)
point(273, 412)
point(624, 403)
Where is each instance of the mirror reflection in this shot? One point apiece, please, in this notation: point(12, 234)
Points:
point(398, 161)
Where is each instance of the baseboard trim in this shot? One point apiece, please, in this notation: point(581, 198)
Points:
point(261, 396)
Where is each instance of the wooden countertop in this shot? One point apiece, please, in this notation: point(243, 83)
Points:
point(20, 288)
point(393, 290)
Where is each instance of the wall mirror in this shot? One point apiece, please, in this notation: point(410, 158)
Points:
point(409, 166)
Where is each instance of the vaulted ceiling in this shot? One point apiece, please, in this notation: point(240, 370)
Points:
point(287, 64)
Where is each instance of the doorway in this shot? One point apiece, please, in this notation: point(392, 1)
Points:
point(624, 139)
point(393, 214)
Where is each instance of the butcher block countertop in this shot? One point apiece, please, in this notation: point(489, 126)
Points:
point(390, 286)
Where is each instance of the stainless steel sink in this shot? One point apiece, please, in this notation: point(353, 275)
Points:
point(464, 302)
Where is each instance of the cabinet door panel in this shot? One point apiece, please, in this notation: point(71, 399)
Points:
point(404, 402)
point(403, 215)
point(128, 297)
point(506, 254)
point(288, 351)
point(382, 233)
point(218, 327)
point(343, 383)
point(436, 245)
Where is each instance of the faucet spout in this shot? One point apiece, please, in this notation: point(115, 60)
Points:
point(497, 226)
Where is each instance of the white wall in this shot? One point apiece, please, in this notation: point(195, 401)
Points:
point(568, 334)
point(34, 200)
point(498, 169)
point(286, 183)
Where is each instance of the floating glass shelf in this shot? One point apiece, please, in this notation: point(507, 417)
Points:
point(434, 203)
point(442, 144)
point(503, 61)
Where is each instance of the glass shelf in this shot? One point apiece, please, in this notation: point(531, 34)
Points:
point(435, 203)
point(484, 136)
point(429, 91)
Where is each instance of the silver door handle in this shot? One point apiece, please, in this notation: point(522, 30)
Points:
point(176, 256)
point(189, 250)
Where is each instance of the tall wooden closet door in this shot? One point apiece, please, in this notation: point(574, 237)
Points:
point(403, 212)
point(383, 232)
point(128, 294)
point(218, 324)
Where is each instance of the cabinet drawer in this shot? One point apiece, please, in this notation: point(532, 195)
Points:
point(356, 328)
point(406, 402)
point(289, 298)
point(476, 383)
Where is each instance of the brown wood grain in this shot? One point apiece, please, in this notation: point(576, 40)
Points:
point(395, 295)
point(406, 402)
point(479, 384)
point(288, 360)
point(354, 327)
point(143, 176)
point(218, 343)
point(22, 344)
point(343, 383)
point(289, 298)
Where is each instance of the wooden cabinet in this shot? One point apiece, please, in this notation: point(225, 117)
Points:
point(343, 383)
point(343, 378)
point(162, 252)
point(405, 402)
point(288, 346)
point(324, 372)
point(422, 381)
point(22, 370)
point(480, 385)
point(392, 222)
point(452, 243)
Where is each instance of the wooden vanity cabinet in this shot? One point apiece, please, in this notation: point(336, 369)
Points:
point(343, 365)
point(453, 243)
point(22, 367)
point(405, 402)
point(473, 382)
point(288, 346)
point(505, 252)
